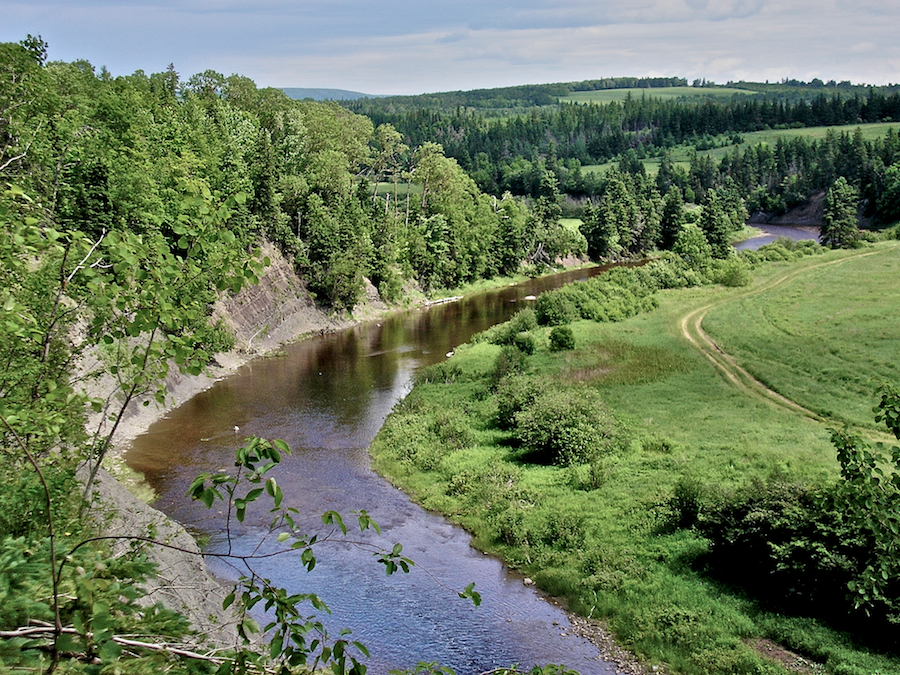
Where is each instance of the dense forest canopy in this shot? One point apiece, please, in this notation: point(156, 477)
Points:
point(101, 153)
point(509, 151)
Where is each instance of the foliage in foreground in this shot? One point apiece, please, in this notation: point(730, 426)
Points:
point(71, 603)
point(832, 551)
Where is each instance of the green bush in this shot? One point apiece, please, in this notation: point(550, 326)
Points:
point(561, 339)
point(509, 525)
point(422, 434)
point(563, 531)
point(513, 395)
point(555, 308)
point(451, 428)
point(614, 296)
point(505, 333)
point(686, 501)
point(510, 361)
point(525, 343)
point(564, 427)
point(779, 541)
point(732, 272)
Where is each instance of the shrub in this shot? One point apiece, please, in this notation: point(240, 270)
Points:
point(510, 526)
point(561, 339)
point(777, 540)
point(685, 503)
point(451, 428)
point(556, 308)
point(505, 333)
point(563, 531)
point(565, 427)
point(525, 343)
point(510, 361)
point(513, 395)
point(732, 272)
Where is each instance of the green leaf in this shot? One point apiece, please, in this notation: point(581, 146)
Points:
point(470, 593)
point(334, 518)
point(207, 497)
point(109, 651)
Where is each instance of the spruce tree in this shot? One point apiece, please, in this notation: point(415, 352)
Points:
point(839, 226)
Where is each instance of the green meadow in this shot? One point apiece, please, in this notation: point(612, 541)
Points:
point(663, 93)
point(825, 338)
point(599, 534)
point(681, 155)
point(870, 132)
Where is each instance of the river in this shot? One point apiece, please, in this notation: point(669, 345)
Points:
point(769, 233)
point(327, 397)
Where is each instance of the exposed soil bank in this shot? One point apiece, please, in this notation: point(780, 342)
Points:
point(263, 317)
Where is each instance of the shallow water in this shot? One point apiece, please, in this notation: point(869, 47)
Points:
point(773, 232)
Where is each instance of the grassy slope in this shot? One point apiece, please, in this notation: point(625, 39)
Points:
point(604, 96)
point(681, 154)
point(826, 339)
point(605, 549)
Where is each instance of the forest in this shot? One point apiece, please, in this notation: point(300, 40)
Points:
point(130, 203)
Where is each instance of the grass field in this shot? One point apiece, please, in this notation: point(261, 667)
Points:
point(664, 93)
point(825, 339)
point(596, 535)
point(681, 154)
point(770, 136)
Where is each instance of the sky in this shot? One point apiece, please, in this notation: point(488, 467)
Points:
point(418, 46)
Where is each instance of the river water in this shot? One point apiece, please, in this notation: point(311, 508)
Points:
point(772, 232)
point(327, 397)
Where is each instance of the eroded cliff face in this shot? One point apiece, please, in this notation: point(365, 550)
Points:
point(808, 214)
point(263, 317)
point(183, 583)
point(277, 310)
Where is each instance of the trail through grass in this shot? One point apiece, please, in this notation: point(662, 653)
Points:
point(694, 406)
point(818, 339)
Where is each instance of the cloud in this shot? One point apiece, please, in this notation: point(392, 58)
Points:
point(412, 46)
point(862, 48)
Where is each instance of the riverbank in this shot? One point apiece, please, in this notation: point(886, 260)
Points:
point(601, 534)
point(183, 388)
point(263, 318)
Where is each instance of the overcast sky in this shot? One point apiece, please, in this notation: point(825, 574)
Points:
point(416, 46)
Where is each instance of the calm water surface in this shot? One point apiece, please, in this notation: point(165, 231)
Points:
point(327, 397)
point(772, 232)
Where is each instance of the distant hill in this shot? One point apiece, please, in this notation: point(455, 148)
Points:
point(300, 93)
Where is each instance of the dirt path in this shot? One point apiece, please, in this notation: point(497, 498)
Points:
point(692, 329)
